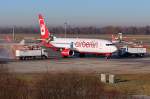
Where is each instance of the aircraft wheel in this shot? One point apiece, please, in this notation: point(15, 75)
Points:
point(108, 56)
point(21, 58)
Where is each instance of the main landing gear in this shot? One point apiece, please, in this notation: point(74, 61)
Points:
point(108, 55)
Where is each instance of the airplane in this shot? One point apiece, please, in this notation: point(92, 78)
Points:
point(9, 46)
point(120, 39)
point(69, 46)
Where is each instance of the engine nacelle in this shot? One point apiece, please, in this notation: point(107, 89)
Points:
point(67, 52)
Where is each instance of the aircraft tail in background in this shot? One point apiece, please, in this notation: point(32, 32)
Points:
point(8, 39)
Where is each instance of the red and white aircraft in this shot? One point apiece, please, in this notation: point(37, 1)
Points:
point(68, 46)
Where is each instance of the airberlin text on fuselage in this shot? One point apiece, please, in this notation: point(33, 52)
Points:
point(84, 44)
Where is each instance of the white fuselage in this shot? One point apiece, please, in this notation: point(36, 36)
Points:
point(85, 45)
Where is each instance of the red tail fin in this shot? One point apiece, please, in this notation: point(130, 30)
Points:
point(44, 30)
point(45, 34)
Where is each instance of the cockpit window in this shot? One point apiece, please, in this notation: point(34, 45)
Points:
point(110, 44)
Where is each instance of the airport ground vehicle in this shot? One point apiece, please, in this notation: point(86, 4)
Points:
point(128, 47)
point(27, 54)
point(132, 51)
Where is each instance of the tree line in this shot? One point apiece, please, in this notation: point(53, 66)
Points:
point(145, 30)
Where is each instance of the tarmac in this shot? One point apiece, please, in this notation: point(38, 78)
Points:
point(84, 65)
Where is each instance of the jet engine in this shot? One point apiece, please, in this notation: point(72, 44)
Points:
point(67, 52)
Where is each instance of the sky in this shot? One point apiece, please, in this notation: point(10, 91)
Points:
point(75, 12)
